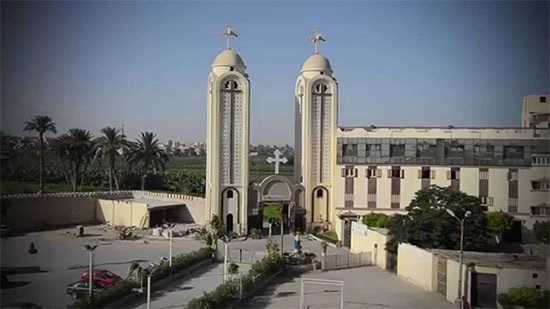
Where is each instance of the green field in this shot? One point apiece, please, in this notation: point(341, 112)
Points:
point(258, 167)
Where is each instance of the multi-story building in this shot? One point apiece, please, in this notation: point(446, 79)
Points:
point(536, 111)
point(381, 169)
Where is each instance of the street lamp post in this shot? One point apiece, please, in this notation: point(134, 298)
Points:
point(149, 272)
point(91, 249)
point(460, 297)
point(225, 240)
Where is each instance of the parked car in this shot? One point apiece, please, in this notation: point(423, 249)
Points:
point(103, 276)
point(81, 288)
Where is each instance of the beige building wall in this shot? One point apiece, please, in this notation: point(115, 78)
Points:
point(532, 106)
point(417, 266)
point(194, 204)
point(124, 213)
point(370, 241)
point(469, 180)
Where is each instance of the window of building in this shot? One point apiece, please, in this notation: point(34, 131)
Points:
point(513, 152)
point(484, 175)
point(373, 150)
point(373, 173)
point(540, 160)
point(230, 194)
point(349, 172)
point(397, 151)
point(542, 99)
point(513, 176)
point(425, 150)
point(486, 200)
point(453, 175)
point(484, 151)
point(396, 173)
point(454, 151)
point(540, 185)
point(349, 150)
point(540, 211)
point(426, 174)
point(319, 193)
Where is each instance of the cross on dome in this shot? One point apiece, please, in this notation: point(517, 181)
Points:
point(229, 31)
point(316, 38)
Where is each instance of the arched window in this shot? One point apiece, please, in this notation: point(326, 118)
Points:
point(319, 192)
point(229, 193)
point(231, 85)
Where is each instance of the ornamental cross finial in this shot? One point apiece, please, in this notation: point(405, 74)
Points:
point(316, 38)
point(278, 159)
point(229, 31)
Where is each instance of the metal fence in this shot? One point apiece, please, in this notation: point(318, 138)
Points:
point(348, 260)
point(239, 255)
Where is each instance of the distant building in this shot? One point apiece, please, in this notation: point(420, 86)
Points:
point(536, 111)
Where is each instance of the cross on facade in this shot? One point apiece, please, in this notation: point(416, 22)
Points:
point(229, 31)
point(278, 159)
point(316, 38)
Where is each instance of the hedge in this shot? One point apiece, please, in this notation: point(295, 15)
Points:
point(228, 293)
point(124, 287)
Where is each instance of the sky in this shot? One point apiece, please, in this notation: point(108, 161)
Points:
point(145, 64)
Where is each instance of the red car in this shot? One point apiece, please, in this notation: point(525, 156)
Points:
point(103, 276)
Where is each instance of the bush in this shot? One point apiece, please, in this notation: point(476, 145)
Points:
point(499, 222)
point(542, 231)
point(228, 293)
point(255, 234)
point(525, 297)
point(376, 220)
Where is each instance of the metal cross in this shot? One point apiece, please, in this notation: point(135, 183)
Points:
point(317, 36)
point(229, 31)
point(278, 159)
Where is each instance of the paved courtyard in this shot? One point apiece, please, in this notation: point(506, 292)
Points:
point(365, 287)
point(42, 278)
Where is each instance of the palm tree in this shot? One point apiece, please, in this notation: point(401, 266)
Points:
point(75, 151)
point(110, 146)
point(146, 151)
point(41, 125)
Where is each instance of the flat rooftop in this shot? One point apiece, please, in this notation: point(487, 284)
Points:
point(499, 260)
point(153, 204)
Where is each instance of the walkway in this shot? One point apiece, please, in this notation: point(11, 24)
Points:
point(179, 293)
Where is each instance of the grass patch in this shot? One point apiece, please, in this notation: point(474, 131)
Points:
point(329, 236)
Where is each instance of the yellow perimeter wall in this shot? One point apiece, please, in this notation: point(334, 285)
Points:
point(417, 266)
point(367, 240)
point(122, 213)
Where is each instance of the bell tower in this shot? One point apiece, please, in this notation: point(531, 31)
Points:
point(316, 110)
point(228, 139)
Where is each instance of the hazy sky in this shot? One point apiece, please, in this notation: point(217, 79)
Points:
point(145, 64)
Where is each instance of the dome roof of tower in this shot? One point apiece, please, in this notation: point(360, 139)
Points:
point(228, 58)
point(317, 62)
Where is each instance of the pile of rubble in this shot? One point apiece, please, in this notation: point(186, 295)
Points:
point(191, 230)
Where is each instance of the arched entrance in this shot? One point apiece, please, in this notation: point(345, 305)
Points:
point(230, 212)
point(320, 209)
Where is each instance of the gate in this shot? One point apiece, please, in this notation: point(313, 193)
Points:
point(442, 275)
point(347, 260)
point(484, 290)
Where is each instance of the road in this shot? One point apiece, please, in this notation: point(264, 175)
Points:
point(365, 287)
point(42, 278)
point(179, 293)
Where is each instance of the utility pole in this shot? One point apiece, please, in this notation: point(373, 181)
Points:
point(460, 297)
point(91, 249)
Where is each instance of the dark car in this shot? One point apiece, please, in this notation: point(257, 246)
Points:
point(80, 288)
point(103, 276)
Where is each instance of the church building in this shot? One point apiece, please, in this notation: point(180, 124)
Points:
point(342, 173)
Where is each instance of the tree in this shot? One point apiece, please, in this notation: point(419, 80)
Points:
point(110, 146)
point(41, 125)
point(499, 223)
point(542, 231)
point(376, 220)
point(74, 150)
point(428, 225)
point(147, 153)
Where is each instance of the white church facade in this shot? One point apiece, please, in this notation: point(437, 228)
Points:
point(342, 173)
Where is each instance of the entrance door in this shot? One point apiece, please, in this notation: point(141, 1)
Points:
point(347, 233)
point(229, 223)
point(484, 290)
